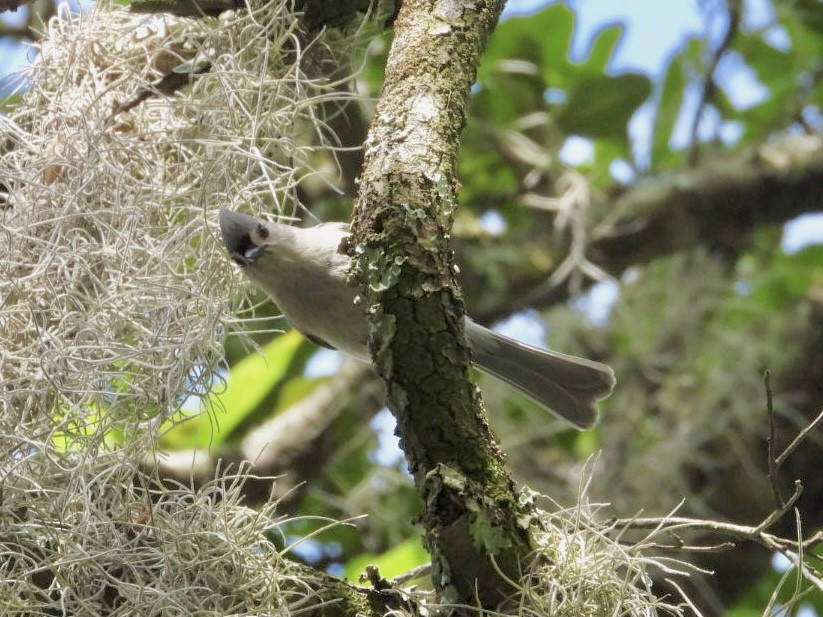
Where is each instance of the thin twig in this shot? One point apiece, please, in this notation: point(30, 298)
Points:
point(685, 597)
point(799, 439)
point(415, 573)
point(773, 466)
point(721, 547)
point(782, 510)
point(798, 559)
point(793, 550)
point(709, 85)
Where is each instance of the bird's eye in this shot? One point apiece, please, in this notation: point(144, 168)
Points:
point(262, 231)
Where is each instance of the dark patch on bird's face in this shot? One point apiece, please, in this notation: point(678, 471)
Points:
point(243, 247)
point(247, 247)
point(244, 237)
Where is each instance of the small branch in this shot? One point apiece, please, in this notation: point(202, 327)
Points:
point(777, 514)
point(801, 436)
point(718, 204)
point(415, 573)
point(316, 13)
point(182, 75)
point(709, 84)
point(13, 5)
point(793, 550)
point(772, 465)
point(16, 32)
point(185, 8)
point(721, 547)
point(333, 596)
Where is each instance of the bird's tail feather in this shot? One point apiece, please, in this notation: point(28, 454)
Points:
point(566, 385)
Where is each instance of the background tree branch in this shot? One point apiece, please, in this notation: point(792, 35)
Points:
point(716, 206)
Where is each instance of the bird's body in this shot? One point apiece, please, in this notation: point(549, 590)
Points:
point(305, 273)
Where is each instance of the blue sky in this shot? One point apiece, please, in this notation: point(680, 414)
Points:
point(653, 28)
point(13, 55)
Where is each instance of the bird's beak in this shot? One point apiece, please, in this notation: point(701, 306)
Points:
point(237, 231)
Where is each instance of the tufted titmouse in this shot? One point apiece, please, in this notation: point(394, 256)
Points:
point(304, 272)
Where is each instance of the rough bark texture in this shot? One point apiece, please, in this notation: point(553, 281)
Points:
point(334, 597)
point(402, 223)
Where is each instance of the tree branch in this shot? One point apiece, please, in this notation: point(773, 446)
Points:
point(401, 225)
point(316, 13)
point(330, 596)
point(717, 205)
point(284, 445)
point(793, 550)
point(709, 89)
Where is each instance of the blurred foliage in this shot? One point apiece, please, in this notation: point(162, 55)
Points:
point(398, 560)
point(692, 319)
point(228, 405)
point(779, 590)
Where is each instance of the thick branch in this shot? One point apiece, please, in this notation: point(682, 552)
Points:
point(402, 225)
point(316, 13)
point(285, 445)
point(716, 205)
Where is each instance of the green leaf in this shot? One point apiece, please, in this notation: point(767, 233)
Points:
point(482, 169)
point(777, 71)
point(774, 67)
point(606, 151)
point(603, 47)
point(9, 102)
point(789, 279)
point(810, 13)
point(602, 106)
point(669, 105)
point(246, 386)
point(543, 38)
point(402, 558)
point(508, 98)
point(525, 56)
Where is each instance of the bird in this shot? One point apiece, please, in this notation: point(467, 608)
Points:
point(306, 275)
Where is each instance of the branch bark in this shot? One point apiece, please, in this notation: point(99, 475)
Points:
point(401, 226)
point(323, 595)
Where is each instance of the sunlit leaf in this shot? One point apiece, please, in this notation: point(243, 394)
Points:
point(669, 106)
point(402, 558)
point(602, 49)
point(248, 383)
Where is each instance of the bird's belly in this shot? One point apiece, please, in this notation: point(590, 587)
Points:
point(333, 318)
